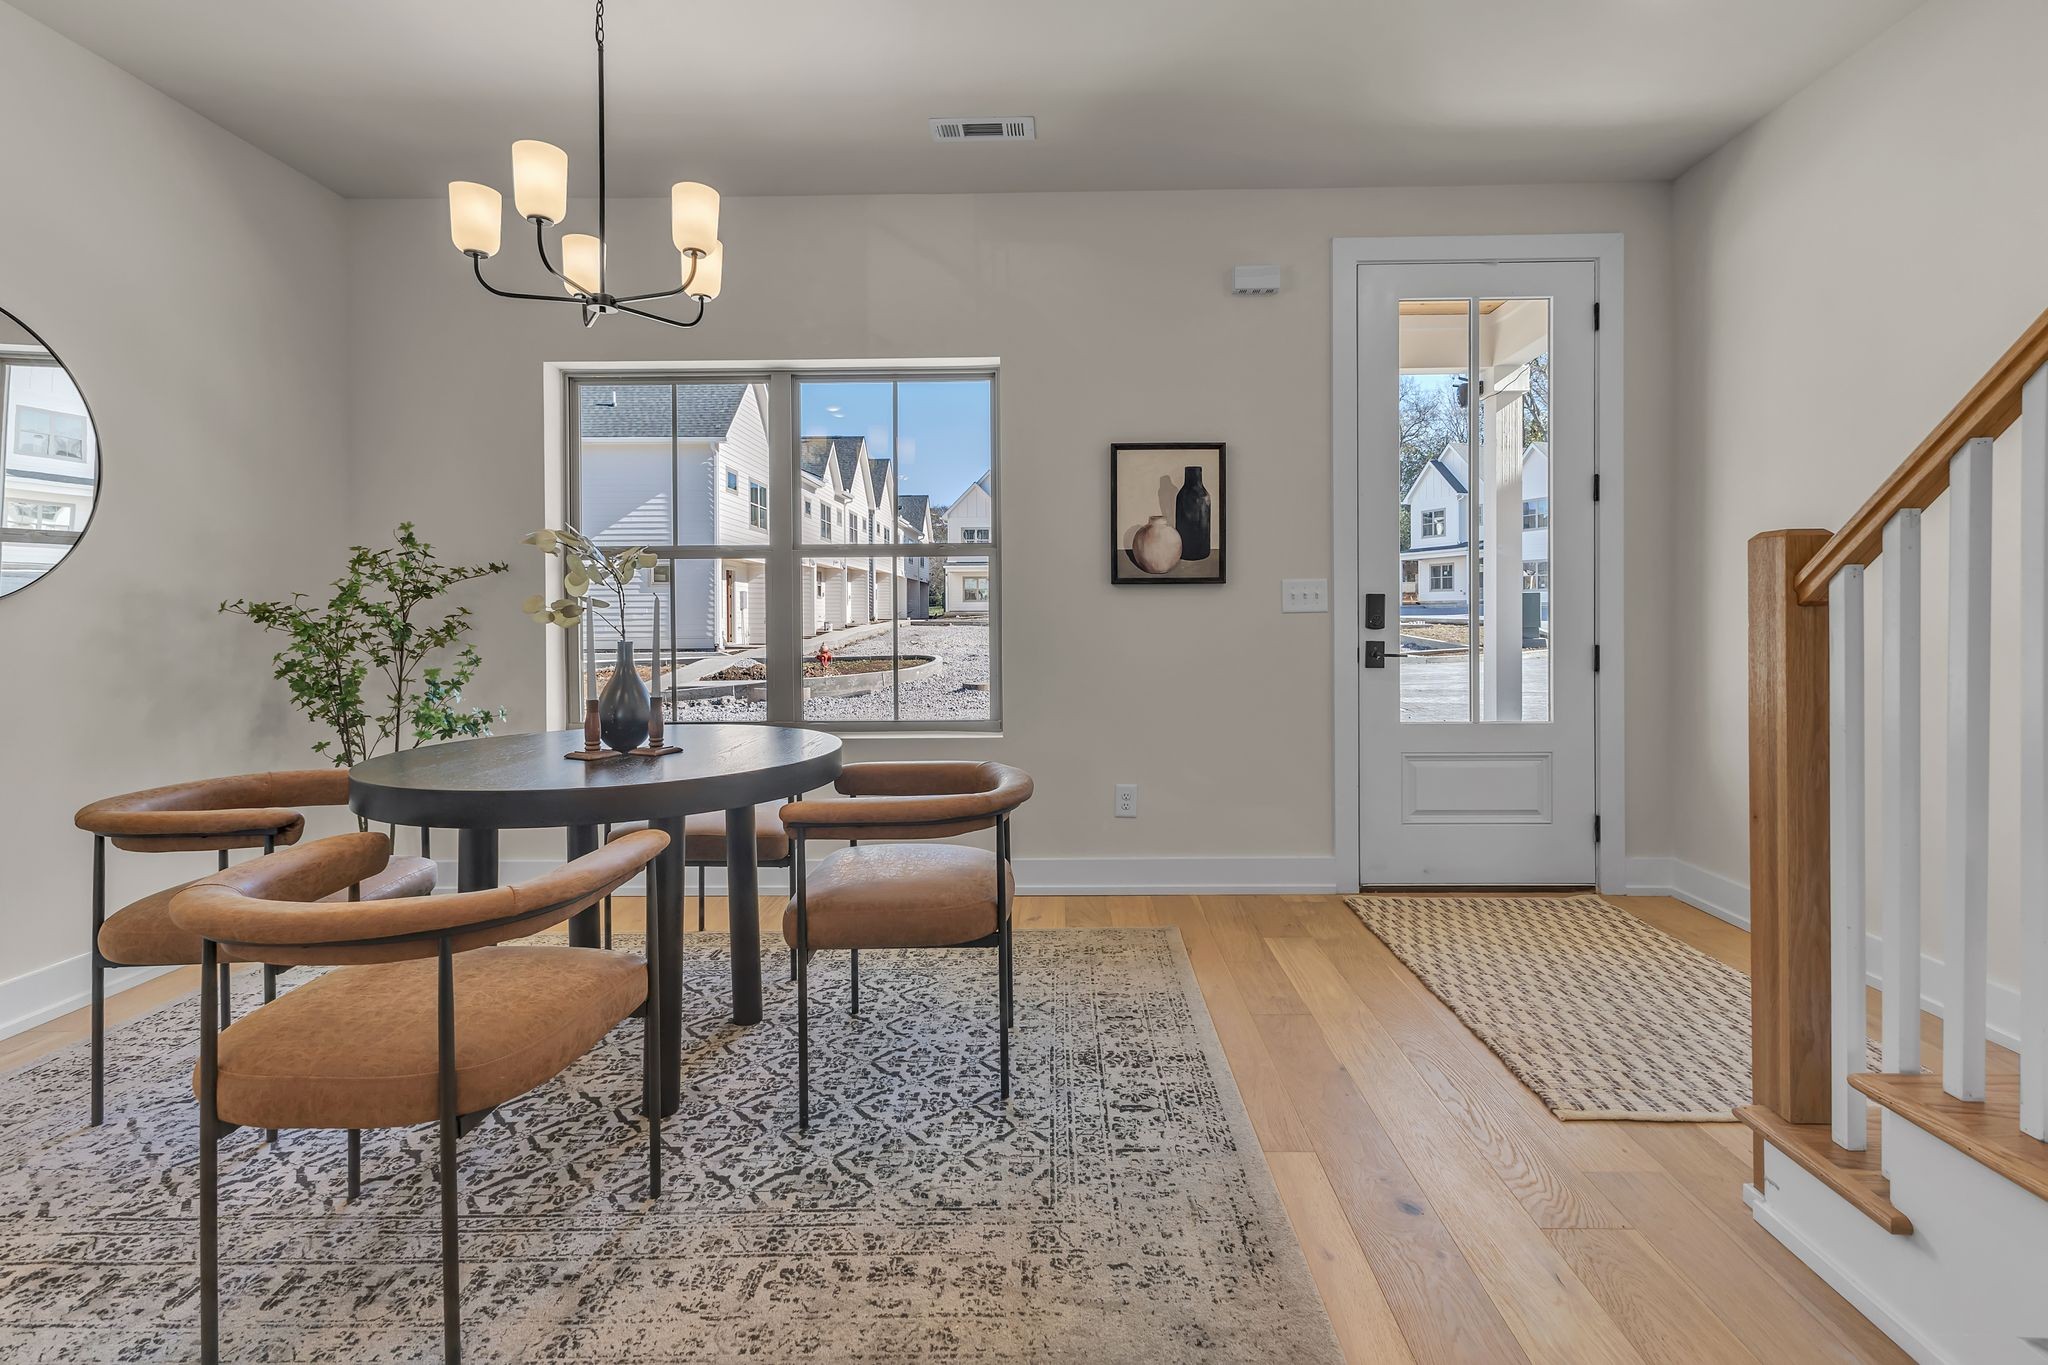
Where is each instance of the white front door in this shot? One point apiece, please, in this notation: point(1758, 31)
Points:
point(1476, 544)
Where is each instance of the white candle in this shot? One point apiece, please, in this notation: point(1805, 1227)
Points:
point(657, 641)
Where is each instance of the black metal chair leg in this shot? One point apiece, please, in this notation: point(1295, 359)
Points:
point(1003, 1008)
point(99, 980)
point(270, 976)
point(355, 1164)
point(227, 1004)
point(854, 972)
point(700, 898)
point(607, 923)
point(209, 1161)
point(792, 964)
point(451, 1265)
point(803, 995)
point(650, 1081)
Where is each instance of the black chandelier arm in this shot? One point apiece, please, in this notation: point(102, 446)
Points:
point(688, 280)
point(478, 261)
point(656, 317)
point(540, 243)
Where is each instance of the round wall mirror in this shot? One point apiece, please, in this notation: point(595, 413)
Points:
point(51, 471)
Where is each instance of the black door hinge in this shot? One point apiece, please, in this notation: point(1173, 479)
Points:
point(1596, 488)
point(1596, 829)
point(1596, 658)
point(1596, 317)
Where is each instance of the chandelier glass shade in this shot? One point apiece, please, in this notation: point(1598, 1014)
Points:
point(540, 194)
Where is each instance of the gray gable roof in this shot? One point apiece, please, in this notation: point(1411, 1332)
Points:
point(703, 412)
point(914, 508)
point(1450, 476)
point(847, 449)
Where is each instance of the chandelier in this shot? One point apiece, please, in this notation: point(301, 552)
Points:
point(540, 190)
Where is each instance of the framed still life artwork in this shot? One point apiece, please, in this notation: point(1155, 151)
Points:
point(1166, 512)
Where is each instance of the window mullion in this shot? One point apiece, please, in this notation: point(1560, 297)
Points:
point(785, 562)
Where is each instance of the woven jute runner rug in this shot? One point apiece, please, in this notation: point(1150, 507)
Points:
point(1602, 1015)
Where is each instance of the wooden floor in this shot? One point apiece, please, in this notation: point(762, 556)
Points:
point(1444, 1214)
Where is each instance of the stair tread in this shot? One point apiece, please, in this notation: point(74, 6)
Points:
point(1986, 1131)
point(1856, 1176)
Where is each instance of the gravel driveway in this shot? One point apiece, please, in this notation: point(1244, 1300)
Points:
point(942, 694)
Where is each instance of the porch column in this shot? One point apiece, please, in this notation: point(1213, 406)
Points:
point(1501, 675)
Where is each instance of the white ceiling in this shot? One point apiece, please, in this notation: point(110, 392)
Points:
point(397, 97)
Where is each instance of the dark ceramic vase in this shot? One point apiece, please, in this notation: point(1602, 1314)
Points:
point(1191, 514)
point(622, 707)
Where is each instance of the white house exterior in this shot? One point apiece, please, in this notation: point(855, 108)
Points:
point(719, 483)
point(969, 520)
point(51, 466)
point(1436, 563)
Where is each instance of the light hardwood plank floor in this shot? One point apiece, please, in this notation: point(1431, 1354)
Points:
point(1444, 1214)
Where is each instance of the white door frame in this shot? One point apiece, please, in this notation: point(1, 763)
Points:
point(1347, 623)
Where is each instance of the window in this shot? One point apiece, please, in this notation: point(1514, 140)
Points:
point(1536, 514)
point(976, 534)
point(39, 516)
point(1536, 575)
point(49, 435)
point(836, 552)
point(1443, 577)
point(1433, 523)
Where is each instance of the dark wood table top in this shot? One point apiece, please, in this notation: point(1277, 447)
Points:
point(524, 781)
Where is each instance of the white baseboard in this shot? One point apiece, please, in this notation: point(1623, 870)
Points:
point(1844, 1282)
point(1727, 899)
point(41, 995)
point(1305, 875)
point(1721, 897)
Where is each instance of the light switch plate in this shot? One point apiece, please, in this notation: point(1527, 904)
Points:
point(1304, 594)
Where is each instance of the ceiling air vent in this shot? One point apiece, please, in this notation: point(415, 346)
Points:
point(984, 130)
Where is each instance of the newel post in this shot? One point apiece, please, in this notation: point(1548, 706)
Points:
point(1788, 832)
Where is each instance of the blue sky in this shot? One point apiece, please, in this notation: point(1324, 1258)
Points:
point(943, 443)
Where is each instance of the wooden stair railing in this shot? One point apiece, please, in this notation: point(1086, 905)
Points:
point(1807, 806)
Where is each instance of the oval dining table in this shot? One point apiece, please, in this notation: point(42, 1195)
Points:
point(478, 787)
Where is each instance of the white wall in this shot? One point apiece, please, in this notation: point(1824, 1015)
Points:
point(1114, 322)
point(1845, 271)
point(194, 287)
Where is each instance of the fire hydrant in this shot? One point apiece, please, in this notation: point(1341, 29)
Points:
point(825, 655)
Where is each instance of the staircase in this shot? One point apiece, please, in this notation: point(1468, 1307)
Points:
point(1919, 1192)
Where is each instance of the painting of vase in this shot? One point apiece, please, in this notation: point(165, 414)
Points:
point(1166, 513)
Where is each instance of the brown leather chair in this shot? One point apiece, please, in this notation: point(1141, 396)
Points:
point(704, 847)
point(429, 1016)
point(253, 810)
point(884, 892)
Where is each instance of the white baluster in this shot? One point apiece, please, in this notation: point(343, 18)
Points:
point(1965, 879)
point(2033, 604)
point(1899, 879)
point(1849, 1022)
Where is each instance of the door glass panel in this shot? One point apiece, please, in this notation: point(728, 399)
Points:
point(1512, 554)
point(1436, 507)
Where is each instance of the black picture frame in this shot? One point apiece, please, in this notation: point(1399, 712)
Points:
point(1124, 568)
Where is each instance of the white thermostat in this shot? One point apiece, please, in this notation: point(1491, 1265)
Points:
point(1255, 279)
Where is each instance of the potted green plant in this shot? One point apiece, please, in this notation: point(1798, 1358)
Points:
point(378, 619)
point(594, 577)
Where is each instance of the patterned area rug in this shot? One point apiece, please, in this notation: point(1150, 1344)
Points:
point(1602, 1015)
point(1120, 1211)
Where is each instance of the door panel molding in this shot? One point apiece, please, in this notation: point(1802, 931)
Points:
point(1605, 252)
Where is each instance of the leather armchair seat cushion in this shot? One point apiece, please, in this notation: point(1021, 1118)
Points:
point(358, 1047)
point(144, 935)
point(704, 835)
point(900, 896)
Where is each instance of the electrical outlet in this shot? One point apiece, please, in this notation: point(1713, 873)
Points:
point(1127, 801)
point(1304, 594)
